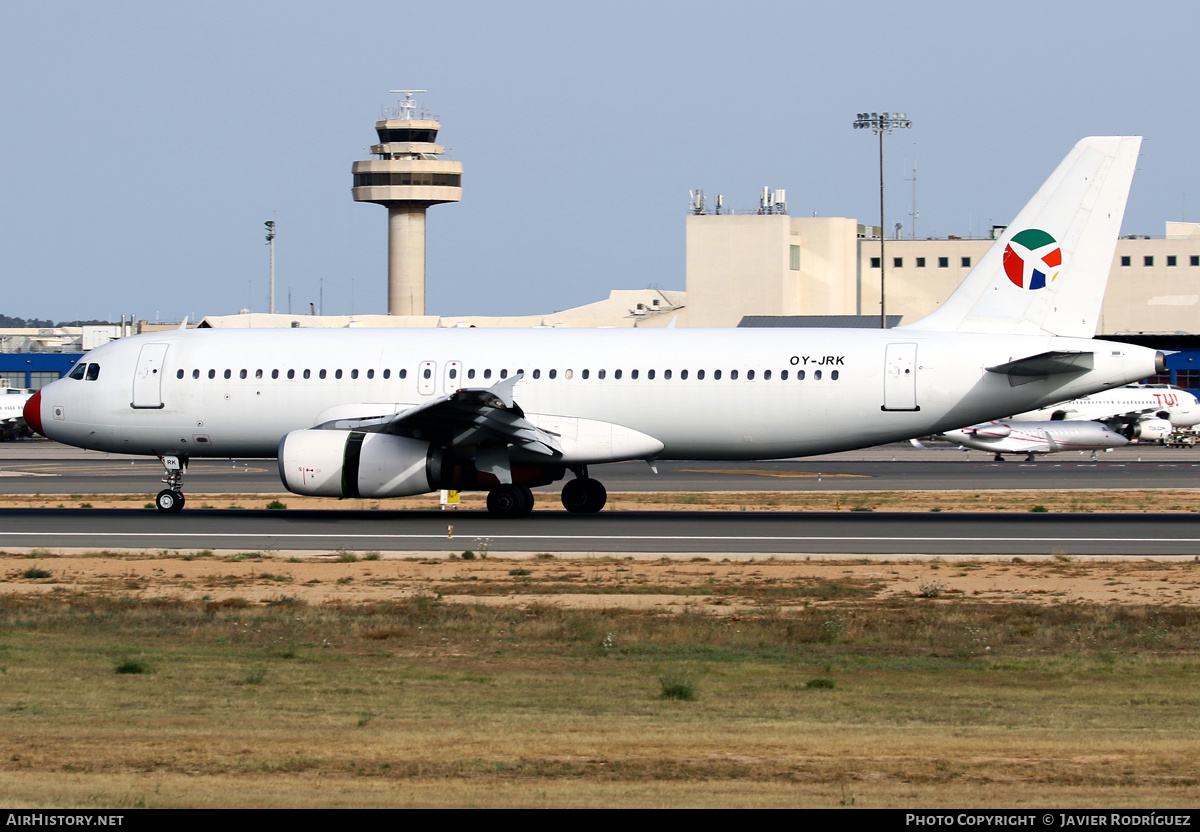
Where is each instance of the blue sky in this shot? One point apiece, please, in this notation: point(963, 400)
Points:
point(144, 144)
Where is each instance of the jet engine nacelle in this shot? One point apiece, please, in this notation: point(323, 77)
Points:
point(1152, 430)
point(348, 463)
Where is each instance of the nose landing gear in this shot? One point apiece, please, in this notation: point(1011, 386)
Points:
point(171, 499)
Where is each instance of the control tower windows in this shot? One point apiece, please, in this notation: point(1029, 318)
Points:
point(415, 177)
point(403, 134)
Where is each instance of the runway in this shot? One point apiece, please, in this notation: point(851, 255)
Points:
point(47, 468)
point(711, 534)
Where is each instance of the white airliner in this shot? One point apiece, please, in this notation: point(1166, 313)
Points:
point(1148, 412)
point(395, 412)
point(12, 410)
point(1029, 438)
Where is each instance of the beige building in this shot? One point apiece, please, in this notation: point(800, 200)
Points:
point(771, 264)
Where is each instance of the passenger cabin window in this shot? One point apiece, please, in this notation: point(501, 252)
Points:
point(195, 374)
point(321, 374)
point(388, 374)
point(291, 373)
point(179, 374)
point(274, 374)
point(371, 374)
point(337, 373)
point(228, 374)
point(354, 374)
point(212, 373)
point(242, 374)
point(308, 373)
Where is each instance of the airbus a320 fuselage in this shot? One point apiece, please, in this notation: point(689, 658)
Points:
point(383, 412)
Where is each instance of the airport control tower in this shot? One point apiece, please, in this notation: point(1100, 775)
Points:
point(407, 176)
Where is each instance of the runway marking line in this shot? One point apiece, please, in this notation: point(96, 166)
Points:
point(434, 536)
point(755, 473)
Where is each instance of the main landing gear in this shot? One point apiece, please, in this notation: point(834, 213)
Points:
point(582, 495)
point(170, 499)
point(510, 501)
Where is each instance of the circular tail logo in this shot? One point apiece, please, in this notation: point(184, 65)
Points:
point(1032, 259)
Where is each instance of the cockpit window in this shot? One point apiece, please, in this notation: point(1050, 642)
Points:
point(93, 372)
point(77, 372)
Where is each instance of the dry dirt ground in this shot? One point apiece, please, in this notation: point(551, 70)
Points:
point(1135, 500)
point(715, 585)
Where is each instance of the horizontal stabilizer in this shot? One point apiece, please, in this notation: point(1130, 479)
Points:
point(1025, 370)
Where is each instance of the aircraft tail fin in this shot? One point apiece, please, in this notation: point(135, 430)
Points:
point(1048, 272)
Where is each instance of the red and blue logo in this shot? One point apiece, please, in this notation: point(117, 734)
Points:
point(1032, 259)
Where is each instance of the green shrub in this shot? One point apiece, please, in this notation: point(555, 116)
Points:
point(132, 667)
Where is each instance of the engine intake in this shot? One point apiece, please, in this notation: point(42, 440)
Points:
point(339, 463)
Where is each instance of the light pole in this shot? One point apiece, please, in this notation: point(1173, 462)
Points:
point(270, 224)
point(881, 123)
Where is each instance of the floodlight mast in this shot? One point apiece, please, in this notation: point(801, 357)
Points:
point(270, 224)
point(880, 123)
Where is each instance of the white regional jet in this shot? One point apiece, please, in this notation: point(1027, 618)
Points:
point(1029, 438)
point(12, 411)
point(394, 412)
point(1148, 412)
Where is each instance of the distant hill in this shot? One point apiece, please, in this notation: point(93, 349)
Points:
point(7, 322)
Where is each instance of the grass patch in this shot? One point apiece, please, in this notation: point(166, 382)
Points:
point(132, 667)
point(681, 687)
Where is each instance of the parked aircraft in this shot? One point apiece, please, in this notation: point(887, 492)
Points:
point(1029, 438)
point(12, 407)
point(394, 412)
point(1148, 412)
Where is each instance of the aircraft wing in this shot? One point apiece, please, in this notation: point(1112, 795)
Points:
point(472, 416)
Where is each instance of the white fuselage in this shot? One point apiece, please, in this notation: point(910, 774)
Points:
point(1127, 404)
point(11, 406)
point(704, 394)
point(1004, 437)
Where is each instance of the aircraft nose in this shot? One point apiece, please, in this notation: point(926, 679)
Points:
point(33, 412)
